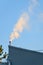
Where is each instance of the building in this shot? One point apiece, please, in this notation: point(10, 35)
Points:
point(19, 56)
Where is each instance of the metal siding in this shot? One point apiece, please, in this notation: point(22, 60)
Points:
point(19, 56)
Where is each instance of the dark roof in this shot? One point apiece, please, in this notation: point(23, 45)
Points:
point(26, 50)
point(20, 56)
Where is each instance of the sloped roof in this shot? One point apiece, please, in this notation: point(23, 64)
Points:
point(19, 56)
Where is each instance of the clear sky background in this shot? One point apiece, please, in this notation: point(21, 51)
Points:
point(10, 12)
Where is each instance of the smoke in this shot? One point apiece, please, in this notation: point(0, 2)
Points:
point(19, 26)
point(22, 23)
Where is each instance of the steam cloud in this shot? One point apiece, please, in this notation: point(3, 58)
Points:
point(19, 27)
point(23, 21)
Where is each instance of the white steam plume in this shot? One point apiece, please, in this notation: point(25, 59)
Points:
point(19, 27)
point(23, 21)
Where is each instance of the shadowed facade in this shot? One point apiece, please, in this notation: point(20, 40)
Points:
point(19, 56)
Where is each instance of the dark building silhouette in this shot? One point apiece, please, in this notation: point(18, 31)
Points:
point(19, 56)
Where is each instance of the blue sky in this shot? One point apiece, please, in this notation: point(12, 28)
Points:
point(10, 12)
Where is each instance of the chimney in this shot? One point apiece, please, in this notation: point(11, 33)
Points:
point(9, 42)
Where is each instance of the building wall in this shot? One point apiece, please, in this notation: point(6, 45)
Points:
point(18, 56)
